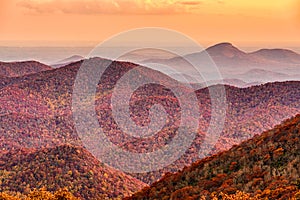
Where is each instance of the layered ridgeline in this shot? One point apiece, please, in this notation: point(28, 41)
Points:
point(265, 167)
point(238, 68)
point(16, 69)
point(66, 166)
point(36, 112)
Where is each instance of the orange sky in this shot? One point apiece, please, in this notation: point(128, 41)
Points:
point(74, 22)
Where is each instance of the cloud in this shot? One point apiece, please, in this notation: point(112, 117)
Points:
point(107, 6)
point(190, 3)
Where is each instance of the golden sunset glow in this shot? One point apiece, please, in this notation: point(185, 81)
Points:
point(208, 21)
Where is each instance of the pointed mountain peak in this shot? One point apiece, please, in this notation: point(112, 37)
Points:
point(223, 44)
point(225, 49)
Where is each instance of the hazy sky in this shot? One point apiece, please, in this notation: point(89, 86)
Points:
point(75, 22)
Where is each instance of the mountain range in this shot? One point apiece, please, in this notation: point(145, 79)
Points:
point(237, 67)
point(39, 139)
point(234, 63)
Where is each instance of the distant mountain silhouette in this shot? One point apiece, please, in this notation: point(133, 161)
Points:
point(225, 51)
point(67, 61)
point(279, 55)
point(236, 82)
point(225, 55)
point(231, 62)
point(263, 76)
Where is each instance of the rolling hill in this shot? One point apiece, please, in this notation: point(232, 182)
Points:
point(65, 166)
point(250, 111)
point(279, 55)
point(266, 166)
point(16, 69)
point(37, 112)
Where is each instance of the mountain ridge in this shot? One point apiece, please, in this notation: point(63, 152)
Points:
point(50, 114)
point(266, 166)
point(21, 68)
point(64, 166)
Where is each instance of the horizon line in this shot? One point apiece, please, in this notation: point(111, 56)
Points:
point(246, 48)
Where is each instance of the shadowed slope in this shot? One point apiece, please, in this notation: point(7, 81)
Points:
point(267, 166)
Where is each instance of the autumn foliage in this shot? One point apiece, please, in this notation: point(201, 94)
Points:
point(39, 145)
point(265, 167)
point(40, 194)
point(66, 166)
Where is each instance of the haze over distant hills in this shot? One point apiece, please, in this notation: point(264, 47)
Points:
point(236, 66)
point(36, 111)
point(37, 121)
point(280, 55)
point(265, 65)
point(226, 55)
point(67, 61)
